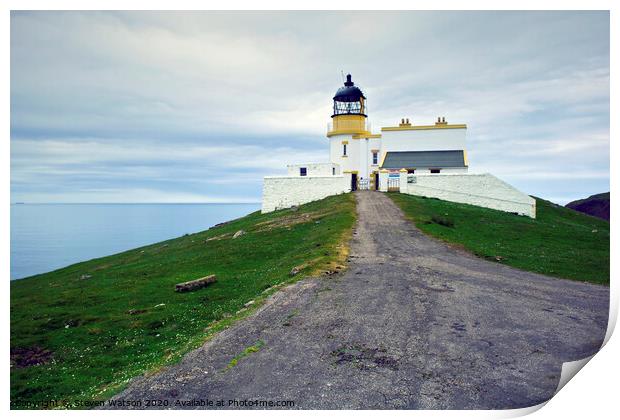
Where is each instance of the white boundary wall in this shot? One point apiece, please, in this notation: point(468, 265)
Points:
point(314, 169)
point(281, 192)
point(482, 190)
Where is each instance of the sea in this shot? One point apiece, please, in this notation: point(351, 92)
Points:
point(45, 237)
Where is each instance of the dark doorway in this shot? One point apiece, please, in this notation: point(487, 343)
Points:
point(353, 182)
point(377, 181)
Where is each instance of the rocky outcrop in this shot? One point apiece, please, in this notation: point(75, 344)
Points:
point(188, 286)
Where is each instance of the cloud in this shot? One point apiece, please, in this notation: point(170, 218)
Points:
point(201, 105)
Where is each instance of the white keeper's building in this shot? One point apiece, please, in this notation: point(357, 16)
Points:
point(429, 160)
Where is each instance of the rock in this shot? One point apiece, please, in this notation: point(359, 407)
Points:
point(191, 285)
point(136, 311)
point(248, 304)
point(85, 276)
point(295, 271)
point(238, 234)
point(294, 208)
point(595, 230)
point(159, 305)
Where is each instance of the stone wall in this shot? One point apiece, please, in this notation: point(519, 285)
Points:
point(280, 192)
point(482, 190)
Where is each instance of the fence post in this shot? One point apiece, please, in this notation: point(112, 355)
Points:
point(402, 182)
point(383, 180)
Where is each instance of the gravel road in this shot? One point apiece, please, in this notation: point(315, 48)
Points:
point(413, 323)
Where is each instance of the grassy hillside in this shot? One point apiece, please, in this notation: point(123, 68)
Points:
point(559, 242)
point(93, 325)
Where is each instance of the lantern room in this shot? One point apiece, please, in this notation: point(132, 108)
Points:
point(349, 100)
point(349, 115)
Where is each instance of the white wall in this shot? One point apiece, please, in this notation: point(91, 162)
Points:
point(366, 146)
point(314, 169)
point(482, 190)
point(349, 162)
point(421, 140)
point(359, 154)
point(280, 192)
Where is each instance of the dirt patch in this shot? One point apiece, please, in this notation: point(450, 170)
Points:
point(136, 311)
point(22, 357)
point(290, 221)
point(219, 237)
point(364, 358)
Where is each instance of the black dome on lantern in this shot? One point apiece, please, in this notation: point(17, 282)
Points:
point(349, 100)
point(349, 92)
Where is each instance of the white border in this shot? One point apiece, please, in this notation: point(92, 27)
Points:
point(592, 395)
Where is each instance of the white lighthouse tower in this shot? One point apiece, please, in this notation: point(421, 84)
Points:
point(351, 144)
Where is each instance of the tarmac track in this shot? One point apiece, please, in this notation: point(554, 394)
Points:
point(413, 324)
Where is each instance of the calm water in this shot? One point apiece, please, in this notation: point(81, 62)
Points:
point(45, 237)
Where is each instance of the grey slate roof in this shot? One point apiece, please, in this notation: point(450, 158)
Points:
point(425, 159)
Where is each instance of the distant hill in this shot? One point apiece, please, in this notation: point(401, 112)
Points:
point(596, 205)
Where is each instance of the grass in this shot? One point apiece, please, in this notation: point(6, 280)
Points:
point(246, 352)
point(94, 325)
point(560, 242)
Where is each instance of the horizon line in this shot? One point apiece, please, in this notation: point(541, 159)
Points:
point(149, 202)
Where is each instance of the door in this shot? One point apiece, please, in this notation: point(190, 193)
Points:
point(377, 181)
point(353, 182)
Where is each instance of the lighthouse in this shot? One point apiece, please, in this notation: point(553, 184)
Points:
point(429, 160)
point(352, 146)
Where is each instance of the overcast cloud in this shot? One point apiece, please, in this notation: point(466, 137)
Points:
point(199, 106)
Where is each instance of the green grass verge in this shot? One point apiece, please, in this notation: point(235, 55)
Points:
point(246, 352)
point(126, 318)
point(560, 242)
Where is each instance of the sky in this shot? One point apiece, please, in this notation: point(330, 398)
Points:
point(199, 106)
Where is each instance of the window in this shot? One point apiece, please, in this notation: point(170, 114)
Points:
point(411, 171)
point(435, 171)
point(344, 149)
point(303, 171)
point(375, 158)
